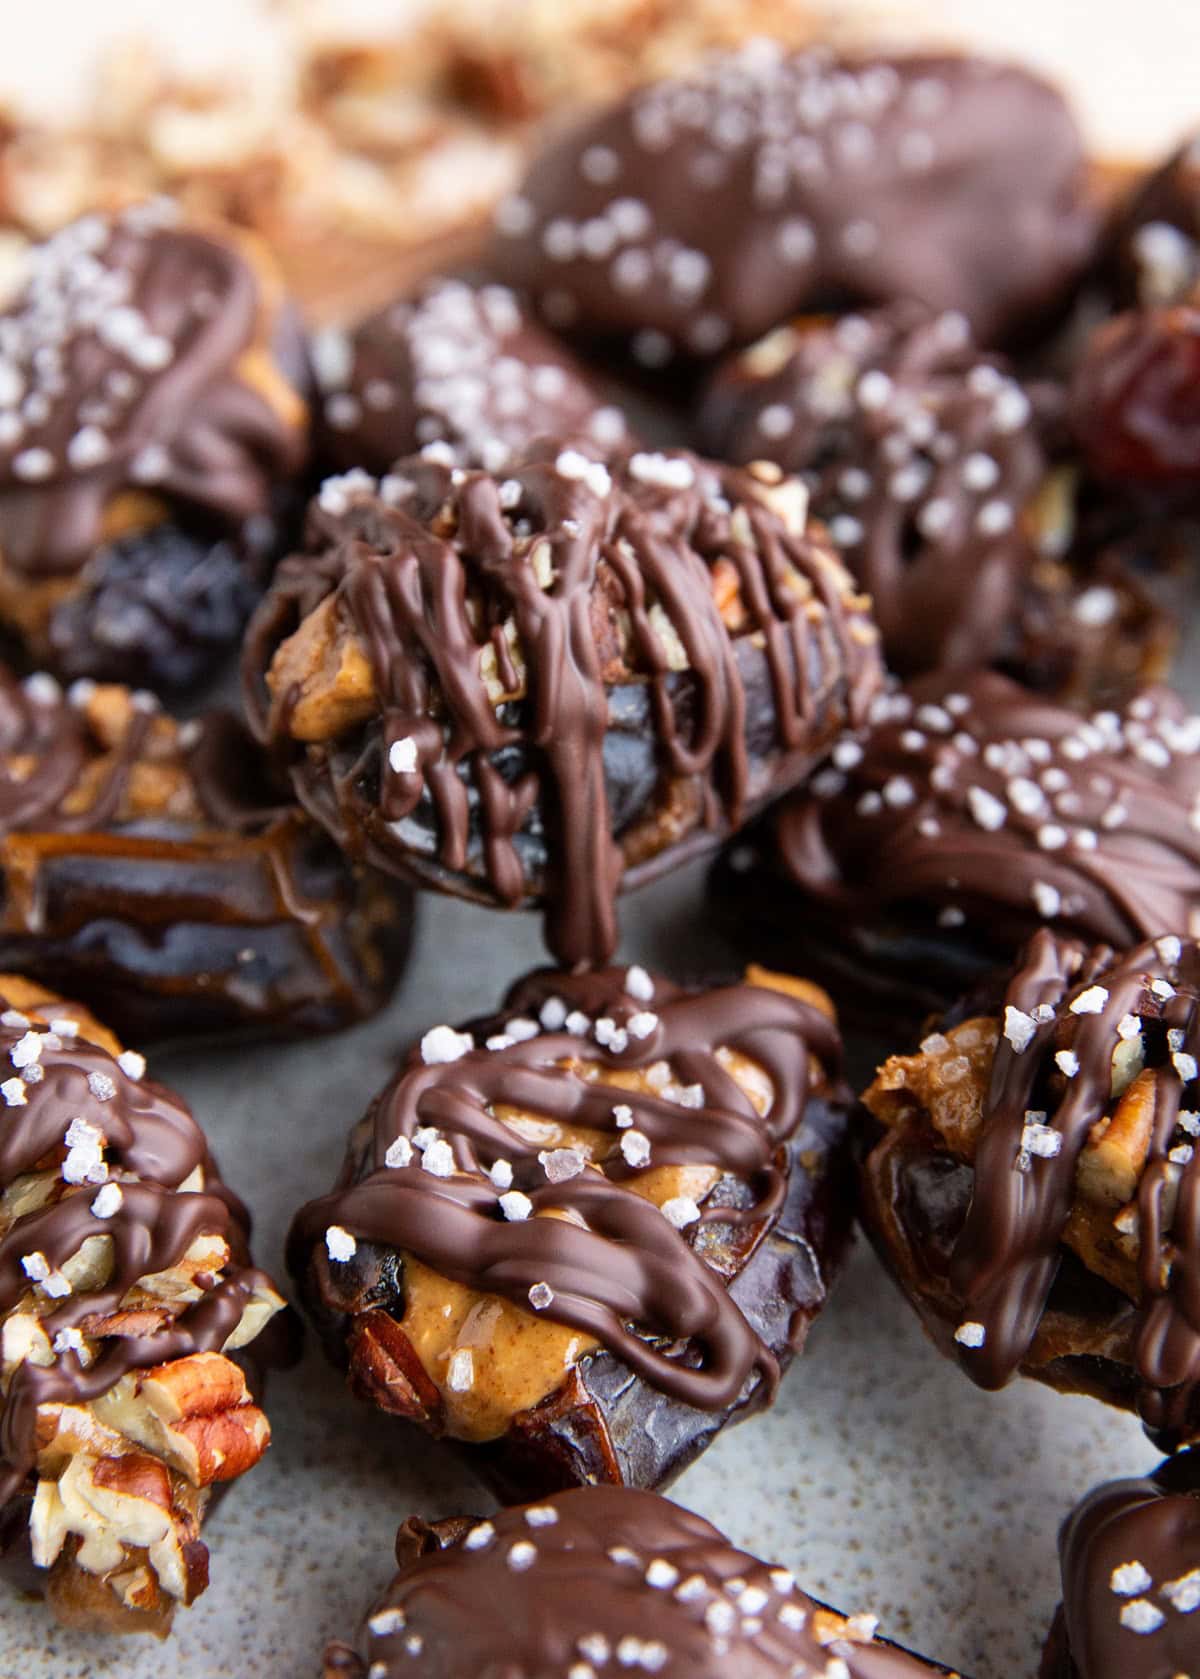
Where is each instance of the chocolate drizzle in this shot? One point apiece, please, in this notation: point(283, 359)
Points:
point(137, 358)
point(973, 804)
point(921, 456)
point(603, 1575)
point(702, 211)
point(1067, 1016)
point(1130, 1555)
point(151, 1146)
point(589, 589)
point(615, 1267)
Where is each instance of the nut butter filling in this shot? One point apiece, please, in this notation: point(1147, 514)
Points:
point(480, 623)
point(548, 1190)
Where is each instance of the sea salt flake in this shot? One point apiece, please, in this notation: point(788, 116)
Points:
point(341, 1245)
point(108, 1201)
point(541, 1295)
point(402, 755)
point(1184, 1065)
point(560, 1164)
point(13, 1092)
point(635, 1146)
point(480, 1535)
point(387, 1621)
point(515, 1206)
point(680, 1211)
point(442, 1045)
point(1141, 1616)
point(132, 1064)
point(1183, 1594)
point(1019, 1028)
point(399, 1153)
point(541, 1515)
point(638, 984)
point(970, 1334)
point(1091, 1001)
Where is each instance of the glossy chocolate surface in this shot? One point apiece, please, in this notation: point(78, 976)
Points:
point(700, 212)
point(604, 1576)
point(667, 651)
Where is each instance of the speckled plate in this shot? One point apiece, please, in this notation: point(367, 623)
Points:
point(882, 1477)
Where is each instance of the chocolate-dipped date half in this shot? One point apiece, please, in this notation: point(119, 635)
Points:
point(925, 460)
point(702, 211)
point(1036, 1191)
point(581, 1237)
point(971, 813)
point(1130, 1555)
point(599, 1579)
point(128, 1309)
point(155, 870)
point(153, 421)
point(559, 681)
point(457, 364)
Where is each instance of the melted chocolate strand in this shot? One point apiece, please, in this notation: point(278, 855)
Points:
point(1130, 1556)
point(599, 1573)
point(408, 575)
point(618, 1269)
point(1070, 1014)
point(126, 344)
point(149, 1133)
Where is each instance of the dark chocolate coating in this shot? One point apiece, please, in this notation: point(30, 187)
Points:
point(1155, 241)
point(985, 1244)
point(153, 420)
point(236, 916)
point(695, 1319)
point(698, 213)
point(972, 813)
point(1143, 1537)
point(460, 364)
point(602, 1577)
point(921, 456)
point(644, 722)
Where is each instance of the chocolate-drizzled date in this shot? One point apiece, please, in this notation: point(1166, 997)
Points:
point(700, 212)
point(555, 683)
point(602, 1576)
point(1035, 1186)
point(925, 459)
point(584, 1235)
point(125, 1287)
point(971, 813)
point(153, 421)
point(145, 867)
point(922, 457)
point(1130, 1554)
point(459, 364)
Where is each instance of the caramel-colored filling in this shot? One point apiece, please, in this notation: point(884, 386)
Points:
point(945, 1088)
point(516, 1358)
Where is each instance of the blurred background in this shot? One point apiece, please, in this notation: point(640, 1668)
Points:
point(365, 136)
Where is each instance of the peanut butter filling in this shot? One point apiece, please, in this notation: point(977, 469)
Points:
point(490, 1359)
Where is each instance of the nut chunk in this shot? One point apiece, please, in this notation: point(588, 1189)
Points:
point(1035, 1186)
point(565, 1586)
point(555, 682)
point(582, 1236)
point(125, 1296)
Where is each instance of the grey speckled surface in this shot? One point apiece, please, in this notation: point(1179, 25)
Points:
point(882, 1477)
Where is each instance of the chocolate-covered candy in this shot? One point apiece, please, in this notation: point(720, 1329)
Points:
point(584, 1235)
point(1135, 406)
point(1036, 1185)
point(922, 457)
point(550, 684)
point(459, 364)
point(1155, 243)
point(604, 1578)
point(700, 212)
point(969, 815)
point(1130, 1554)
point(126, 1300)
point(155, 869)
point(152, 423)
